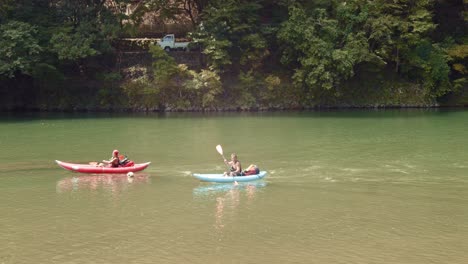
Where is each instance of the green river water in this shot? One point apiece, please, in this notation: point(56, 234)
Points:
point(342, 187)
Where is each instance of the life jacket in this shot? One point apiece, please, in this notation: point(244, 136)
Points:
point(251, 170)
point(125, 162)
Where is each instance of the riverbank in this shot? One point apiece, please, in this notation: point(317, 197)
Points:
point(156, 81)
point(231, 109)
point(95, 102)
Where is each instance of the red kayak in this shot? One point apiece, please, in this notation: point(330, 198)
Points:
point(87, 168)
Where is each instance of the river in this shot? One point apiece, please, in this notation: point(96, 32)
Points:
point(342, 187)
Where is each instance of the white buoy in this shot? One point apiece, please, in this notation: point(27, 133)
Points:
point(130, 174)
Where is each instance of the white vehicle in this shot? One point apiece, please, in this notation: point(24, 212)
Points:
point(169, 42)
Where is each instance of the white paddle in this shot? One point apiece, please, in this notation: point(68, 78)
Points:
point(220, 150)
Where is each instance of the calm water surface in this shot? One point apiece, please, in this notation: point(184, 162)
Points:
point(343, 187)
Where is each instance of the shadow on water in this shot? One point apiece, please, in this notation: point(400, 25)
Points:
point(13, 117)
point(113, 182)
point(19, 117)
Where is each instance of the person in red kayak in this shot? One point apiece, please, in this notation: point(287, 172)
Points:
point(235, 166)
point(114, 161)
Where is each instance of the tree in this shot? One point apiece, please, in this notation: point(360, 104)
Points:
point(19, 49)
point(400, 34)
point(203, 87)
point(322, 49)
point(231, 35)
point(452, 28)
point(88, 29)
point(325, 46)
point(171, 9)
point(75, 45)
point(396, 27)
point(459, 60)
point(193, 8)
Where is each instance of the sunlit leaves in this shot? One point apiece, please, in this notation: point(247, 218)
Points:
point(205, 87)
point(324, 52)
point(230, 35)
point(73, 46)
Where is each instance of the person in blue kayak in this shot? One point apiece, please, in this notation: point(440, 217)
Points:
point(235, 166)
point(114, 161)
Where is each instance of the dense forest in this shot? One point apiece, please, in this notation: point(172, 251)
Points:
point(260, 54)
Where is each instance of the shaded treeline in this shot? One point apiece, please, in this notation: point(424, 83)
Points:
point(62, 55)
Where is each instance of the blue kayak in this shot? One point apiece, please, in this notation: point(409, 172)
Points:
point(222, 178)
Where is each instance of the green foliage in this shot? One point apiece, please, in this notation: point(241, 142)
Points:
point(205, 86)
point(73, 46)
point(397, 27)
point(459, 51)
point(333, 52)
point(230, 34)
point(321, 48)
point(275, 93)
point(431, 61)
point(87, 31)
point(324, 48)
point(168, 10)
point(217, 51)
point(141, 93)
point(152, 92)
point(245, 92)
point(19, 49)
point(179, 87)
point(407, 26)
point(110, 94)
point(459, 59)
point(165, 67)
point(167, 80)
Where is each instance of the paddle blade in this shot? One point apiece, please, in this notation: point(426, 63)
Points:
point(219, 149)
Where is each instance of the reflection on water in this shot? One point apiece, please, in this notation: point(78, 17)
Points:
point(114, 182)
point(228, 197)
point(215, 188)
